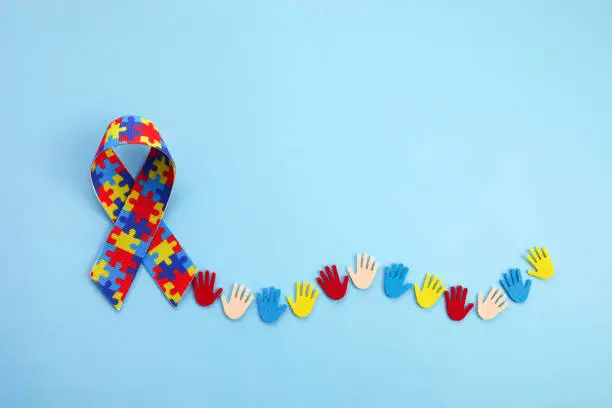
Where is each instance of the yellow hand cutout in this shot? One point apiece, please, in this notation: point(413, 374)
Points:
point(305, 297)
point(431, 292)
point(540, 260)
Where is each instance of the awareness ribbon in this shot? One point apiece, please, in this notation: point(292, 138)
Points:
point(139, 234)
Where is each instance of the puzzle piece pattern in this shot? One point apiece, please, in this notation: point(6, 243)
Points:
point(136, 207)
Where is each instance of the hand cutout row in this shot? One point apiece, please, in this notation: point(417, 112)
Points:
point(271, 310)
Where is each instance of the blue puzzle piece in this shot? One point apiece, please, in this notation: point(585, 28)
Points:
point(119, 205)
point(114, 273)
point(102, 175)
point(107, 290)
point(128, 222)
point(130, 123)
point(167, 271)
point(154, 186)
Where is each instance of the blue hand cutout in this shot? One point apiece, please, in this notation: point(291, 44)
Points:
point(394, 280)
point(514, 286)
point(267, 305)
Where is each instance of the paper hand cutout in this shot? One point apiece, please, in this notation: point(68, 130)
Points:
point(493, 305)
point(268, 305)
point(330, 283)
point(366, 271)
point(431, 292)
point(204, 289)
point(542, 263)
point(305, 298)
point(514, 286)
point(455, 303)
point(239, 302)
point(394, 280)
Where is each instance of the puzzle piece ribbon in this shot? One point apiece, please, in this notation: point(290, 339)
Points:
point(139, 234)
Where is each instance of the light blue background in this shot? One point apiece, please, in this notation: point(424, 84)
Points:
point(448, 135)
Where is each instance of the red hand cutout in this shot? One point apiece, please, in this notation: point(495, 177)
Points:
point(203, 289)
point(331, 285)
point(455, 303)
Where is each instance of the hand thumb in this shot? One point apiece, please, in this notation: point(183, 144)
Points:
point(217, 293)
point(290, 301)
point(469, 308)
point(281, 309)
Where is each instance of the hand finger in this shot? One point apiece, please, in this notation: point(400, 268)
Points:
point(200, 278)
point(469, 308)
point(217, 293)
point(241, 291)
point(438, 284)
point(464, 294)
point(501, 298)
point(206, 277)
point(417, 291)
point(533, 273)
point(248, 303)
point(534, 255)
point(223, 302)
point(532, 261)
point(528, 285)
point(502, 307)
point(370, 261)
point(519, 277)
point(403, 272)
point(351, 274)
point(245, 295)
point(545, 252)
point(503, 285)
point(213, 277)
point(479, 299)
point(448, 297)
point(358, 262)
point(440, 291)
point(291, 304)
point(298, 290)
point(328, 273)
point(406, 288)
point(375, 268)
point(315, 295)
point(281, 309)
point(452, 292)
point(492, 293)
point(508, 280)
point(335, 272)
point(345, 283)
point(539, 251)
point(427, 281)
point(234, 291)
point(320, 282)
point(311, 290)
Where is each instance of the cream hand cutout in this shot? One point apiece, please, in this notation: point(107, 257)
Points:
point(305, 297)
point(431, 292)
point(493, 305)
point(366, 271)
point(238, 303)
point(542, 263)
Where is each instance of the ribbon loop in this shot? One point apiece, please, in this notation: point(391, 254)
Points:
point(136, 208)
